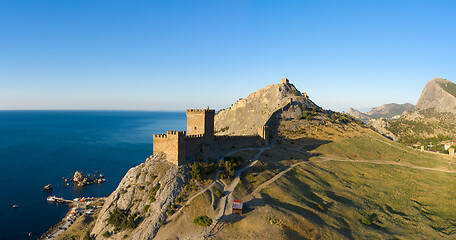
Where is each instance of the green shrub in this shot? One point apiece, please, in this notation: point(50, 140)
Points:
point(366, 221)
point(170, 212)
point(146, 207)
point(152, 199)
point(219, 194)
point(203, 221)
point(196, 171)
point(106, 234)
point(228, 166)
point(121, 219)
point(179, 200)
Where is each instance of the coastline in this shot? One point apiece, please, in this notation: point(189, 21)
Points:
point(56, 227)
point(78, 209)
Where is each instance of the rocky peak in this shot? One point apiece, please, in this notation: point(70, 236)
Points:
point(246, 115)
point(390, 110)
point(359, 115)
point(438, 94)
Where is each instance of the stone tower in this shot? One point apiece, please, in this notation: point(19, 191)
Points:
point(201, 122)
point(172, 144)
point(285, 81)
point(263, 132)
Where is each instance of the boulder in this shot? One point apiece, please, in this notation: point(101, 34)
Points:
point(48, 187)
point(78, 176)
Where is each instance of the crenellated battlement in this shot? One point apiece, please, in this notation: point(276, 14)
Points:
point(200, 111)
point(179, 133)
point(195, 136)
point(160, 136)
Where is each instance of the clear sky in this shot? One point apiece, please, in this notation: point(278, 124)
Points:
point(158, 55)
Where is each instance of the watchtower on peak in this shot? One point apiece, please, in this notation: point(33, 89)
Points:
point(285, 81)
point(201, 122)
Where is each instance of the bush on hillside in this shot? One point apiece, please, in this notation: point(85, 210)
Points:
point(203, 221)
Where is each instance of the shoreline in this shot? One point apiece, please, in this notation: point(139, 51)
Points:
point(77, 209)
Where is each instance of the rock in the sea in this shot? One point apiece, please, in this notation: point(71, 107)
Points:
point(101, 176)
point(48, 187)
point(78, 176)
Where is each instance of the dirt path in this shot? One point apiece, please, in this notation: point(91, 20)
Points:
point(217, 180)
point(379, 162)
point(267, 183)
point(227, 200)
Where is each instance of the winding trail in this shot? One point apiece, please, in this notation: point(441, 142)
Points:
point(380, 162)
point(225, 203)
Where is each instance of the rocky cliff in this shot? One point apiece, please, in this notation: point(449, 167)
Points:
point(143, 197)
point(246, 115)
point(438, 94)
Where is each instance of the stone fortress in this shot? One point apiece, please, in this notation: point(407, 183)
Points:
point(199, 139)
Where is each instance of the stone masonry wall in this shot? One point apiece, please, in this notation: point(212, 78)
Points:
point(238, 141)
point(172, 144)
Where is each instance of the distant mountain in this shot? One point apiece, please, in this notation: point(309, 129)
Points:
point(390, 110)
point(358, 115)
point(439, 95)
point(433, 116)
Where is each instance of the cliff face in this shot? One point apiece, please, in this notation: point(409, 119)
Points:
point(246, 115)
point(147, 190)
point(438, 94)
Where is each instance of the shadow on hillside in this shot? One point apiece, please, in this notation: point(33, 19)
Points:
point(252, 204)
point(304, 143)
point(308, 214)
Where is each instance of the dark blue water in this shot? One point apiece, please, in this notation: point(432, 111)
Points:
point(41, 147)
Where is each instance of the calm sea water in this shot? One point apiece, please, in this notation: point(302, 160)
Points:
point(41, 147)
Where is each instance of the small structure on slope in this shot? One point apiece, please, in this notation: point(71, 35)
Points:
point(237, 207)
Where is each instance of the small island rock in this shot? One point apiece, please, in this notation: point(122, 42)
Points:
point(78, 176)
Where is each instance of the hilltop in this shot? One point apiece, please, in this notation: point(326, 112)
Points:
point(246, 115)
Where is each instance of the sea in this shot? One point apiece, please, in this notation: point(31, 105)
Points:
point(42, 147)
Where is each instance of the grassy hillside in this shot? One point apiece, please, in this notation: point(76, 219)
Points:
point(360, 187)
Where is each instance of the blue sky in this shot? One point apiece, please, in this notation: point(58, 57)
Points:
point(172, 55)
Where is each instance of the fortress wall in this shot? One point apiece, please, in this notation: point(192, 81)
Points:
point(238, 141)
point(172, 144)
point(193, 144)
